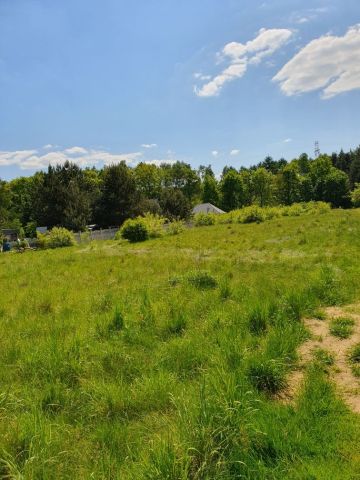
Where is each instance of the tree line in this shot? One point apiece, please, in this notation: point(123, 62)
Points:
point(66, 195)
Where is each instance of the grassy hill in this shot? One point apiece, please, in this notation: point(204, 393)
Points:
point(167, 359)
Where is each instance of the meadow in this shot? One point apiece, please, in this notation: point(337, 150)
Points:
point(166, 359)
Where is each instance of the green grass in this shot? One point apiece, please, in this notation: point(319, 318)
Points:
point(354, 358)
point(324, 357)
point(342, 327)
point(161, 360)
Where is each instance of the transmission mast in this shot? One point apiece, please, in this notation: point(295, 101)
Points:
point(317, 149)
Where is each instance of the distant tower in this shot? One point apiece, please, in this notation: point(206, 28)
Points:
point(317, 149)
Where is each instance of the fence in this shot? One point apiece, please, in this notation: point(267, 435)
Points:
point(107, 234)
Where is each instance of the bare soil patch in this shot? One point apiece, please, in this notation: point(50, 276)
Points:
point(340, 372)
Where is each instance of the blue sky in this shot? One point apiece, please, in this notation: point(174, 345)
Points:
point(203, 81)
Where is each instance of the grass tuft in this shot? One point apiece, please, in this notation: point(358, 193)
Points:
point(342, 327)
point(202, 280)
point(267, 376)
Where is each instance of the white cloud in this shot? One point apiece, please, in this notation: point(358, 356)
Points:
point(48, 146)
point(240, 56)
point(307, 15)
point(76, 151)
point(149, 145)
point(234, 152)
point(328, 63)
point(33, 160)
point(200, 76)
point(16, 157)
point(287, 140)
point(214, 153)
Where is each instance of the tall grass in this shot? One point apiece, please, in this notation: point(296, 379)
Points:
point(111, 371)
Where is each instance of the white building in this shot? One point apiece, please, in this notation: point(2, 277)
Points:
point(207, 208)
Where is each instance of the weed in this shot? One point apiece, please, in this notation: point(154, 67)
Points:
point(202, 280)
point(319, 314)
point(354, 355)
point(324, 357)
point(267, 375)
point(117, 323)
point(176, 325)
point(258, 319)
point(342, 327)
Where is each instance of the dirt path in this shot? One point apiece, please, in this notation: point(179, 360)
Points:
point(340, 372)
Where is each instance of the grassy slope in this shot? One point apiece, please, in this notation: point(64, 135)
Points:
point(171, 395)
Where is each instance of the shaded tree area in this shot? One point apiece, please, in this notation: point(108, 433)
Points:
point(66, 195)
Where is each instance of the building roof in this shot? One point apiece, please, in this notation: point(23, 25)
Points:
point(207, 208)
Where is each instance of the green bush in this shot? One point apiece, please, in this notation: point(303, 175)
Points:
point(202, 219)
point(134, 230)
point(355, 195)
point(176, 227)
point(252, 214)
point(56, 238)
point(154, 225)
point(256, 214)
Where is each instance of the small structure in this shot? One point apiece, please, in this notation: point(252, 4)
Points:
point(207, 208)
point(10, 234)
point(42, 230)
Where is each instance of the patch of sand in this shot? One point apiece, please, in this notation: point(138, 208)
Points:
point(340, 373)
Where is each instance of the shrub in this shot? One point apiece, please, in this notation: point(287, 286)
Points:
point(60, 237)
point(342, 327)
point(355, 195)
point(272, 212)
point(202, 280)
point(294, 210)
point(267, 376)
point(154, 225)
point(176, 227)
point(134, 230)
point(56, 238)
point(252, 214)
point(202, 219)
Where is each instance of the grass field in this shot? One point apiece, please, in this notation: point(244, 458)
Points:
point(164, 360)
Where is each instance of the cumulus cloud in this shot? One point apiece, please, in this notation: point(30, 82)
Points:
point(149, 145)
point(329, 63)
point(234, 152)
point(36, 159)
point(240, 55)
point(214, 153)
point(287, 140)
point(76, 151)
